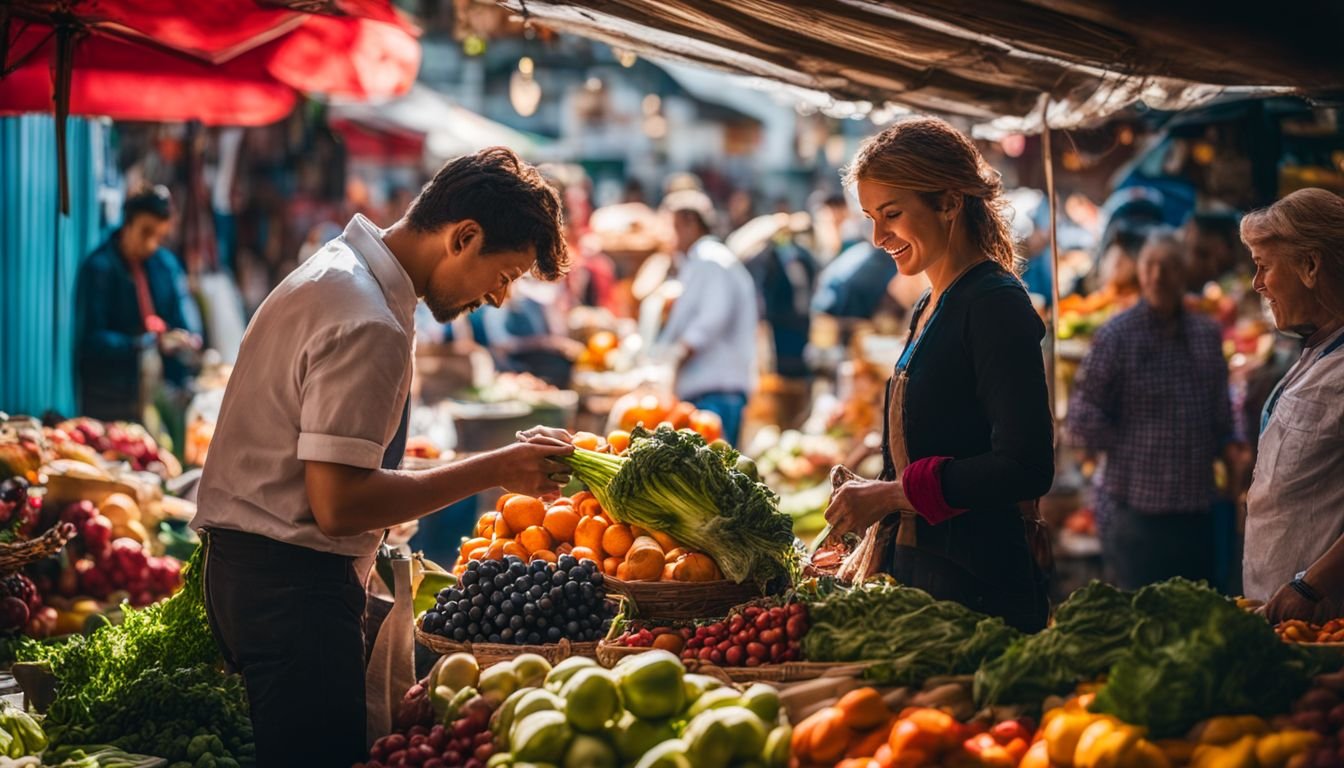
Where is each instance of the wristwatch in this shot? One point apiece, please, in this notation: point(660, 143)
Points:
point(1301, 587)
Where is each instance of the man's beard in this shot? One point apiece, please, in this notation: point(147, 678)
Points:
point(446, 313)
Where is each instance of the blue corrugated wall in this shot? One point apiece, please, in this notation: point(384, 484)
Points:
point(40, 252)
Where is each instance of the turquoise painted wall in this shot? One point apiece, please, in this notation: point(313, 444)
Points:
point(40, 252)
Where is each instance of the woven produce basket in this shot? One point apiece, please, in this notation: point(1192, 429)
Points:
point(15, 556)
point(489, 654)
point(681, 600)
point(788, 672)
point(609, 654)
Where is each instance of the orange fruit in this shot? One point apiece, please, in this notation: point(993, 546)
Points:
point(584, 553)
point(619, 440)
point(604, 517)
point(669, 570)
point(589, 507)
point(636, 531)
point(616, 540)
point(580, 497)
point(588, 533)
point(586, 440)
point(478, 554)
point(543, 554)
point(560, 522)
point(502, 529)
point(471, 545)
point(623, 571)
point(496, 549)
point(564, 549)
point(610, 565)
point(515, 549)
point(665, 541)
point(670, 641)
point(602, 342)
point(535, 539)
point(522, 512)
point(486, 525)
point(673, 554)
point(502, 500)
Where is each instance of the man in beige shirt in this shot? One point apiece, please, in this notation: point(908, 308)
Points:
point(302, 476)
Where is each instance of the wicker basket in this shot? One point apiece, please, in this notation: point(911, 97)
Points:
point(489, 654)
point(609, 654)
point(682, 600)
point(15, 556)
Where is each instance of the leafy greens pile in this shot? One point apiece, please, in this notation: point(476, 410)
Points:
point(914, 636)
point(150, 685)
point(674, 482)
point(1090, 632)
point(1194, 654)
point(195, 715)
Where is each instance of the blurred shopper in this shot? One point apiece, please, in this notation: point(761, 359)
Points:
point(138, 328)
point(711, 330)
point(1294, 553)
point(1213, 248)
point(1152, 396)
point(527, 334)
point(785, 274)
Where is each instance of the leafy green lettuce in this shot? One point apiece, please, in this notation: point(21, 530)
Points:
point(674, 482)
point(1090, 632)
point(1194, 654)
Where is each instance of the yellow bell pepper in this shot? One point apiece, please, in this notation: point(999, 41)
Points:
point(1109, 743)
point(1276, 749)
point(1239, 754)
point(1062, 735)
point(1228, 729)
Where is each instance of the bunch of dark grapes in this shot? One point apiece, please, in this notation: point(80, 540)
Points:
point(509, 601)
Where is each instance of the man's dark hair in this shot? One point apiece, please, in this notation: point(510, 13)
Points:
point(155, 201)
point(505, 195)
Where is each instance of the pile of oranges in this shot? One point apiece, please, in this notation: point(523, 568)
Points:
point(531, 529)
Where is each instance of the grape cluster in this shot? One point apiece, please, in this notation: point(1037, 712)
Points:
point(509, 601)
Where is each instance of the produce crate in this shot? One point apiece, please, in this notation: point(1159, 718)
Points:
point(681, 600)
point(489, 654)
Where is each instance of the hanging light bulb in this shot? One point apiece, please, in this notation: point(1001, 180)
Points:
point(626, 57)
point(524, 90)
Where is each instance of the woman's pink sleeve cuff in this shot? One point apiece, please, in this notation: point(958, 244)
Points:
point(923, 485)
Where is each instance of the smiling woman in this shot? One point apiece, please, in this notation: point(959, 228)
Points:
point(1295, 507)
point(968, 439)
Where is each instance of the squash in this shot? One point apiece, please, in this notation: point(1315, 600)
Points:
point(644, 560)
point(696, 567)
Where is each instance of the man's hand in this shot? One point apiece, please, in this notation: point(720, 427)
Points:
point(551, 433)
point(529, 468)
point(858, 504)
point(1287, 604)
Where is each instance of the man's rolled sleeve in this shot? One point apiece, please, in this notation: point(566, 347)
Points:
point(350, 392)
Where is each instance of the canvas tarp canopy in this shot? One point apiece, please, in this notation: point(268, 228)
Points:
point(988, 61)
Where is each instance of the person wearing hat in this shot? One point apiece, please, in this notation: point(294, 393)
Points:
point(711, 331)
point(133, 301)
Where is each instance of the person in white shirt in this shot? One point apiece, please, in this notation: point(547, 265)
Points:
point(711, 330)
point(302, 478)
point(1294, 553)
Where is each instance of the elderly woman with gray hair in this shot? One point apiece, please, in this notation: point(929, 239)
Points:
point(1294, 555)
